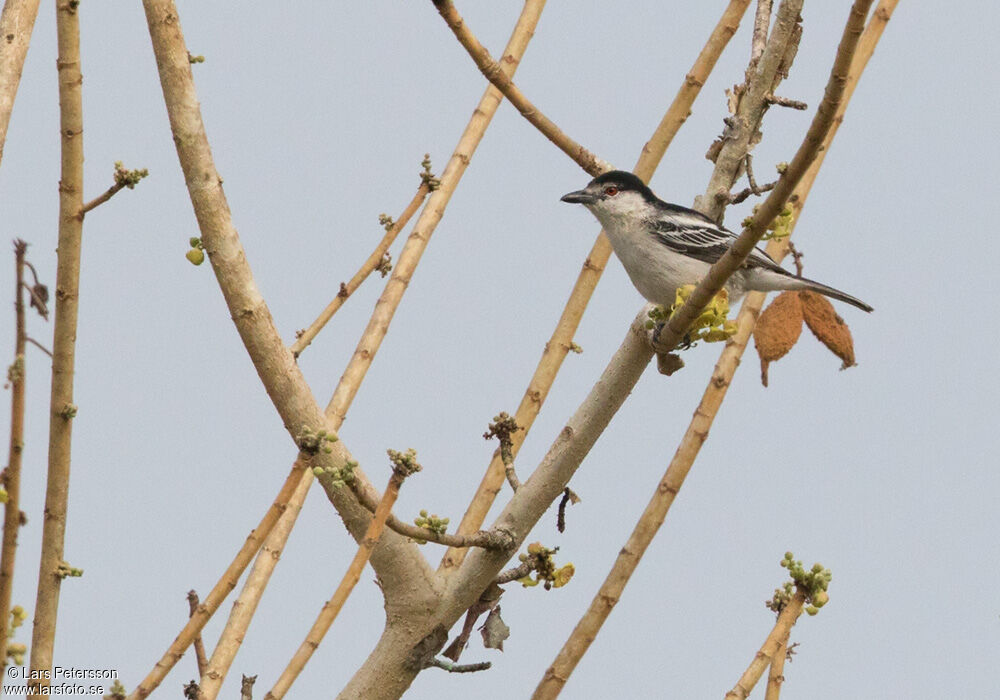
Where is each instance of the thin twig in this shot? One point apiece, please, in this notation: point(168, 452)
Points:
point(562, 336)
point(495, 73)
point(696, 433)
point(123, 178)
point(775, 640)
point(38, 345)
point(16, 25)
point(63, 345)
point(796, 257)
point(487, 539)
point(199, 645)
point(745, 193)
point(333, 607)
point(369, 266)
point(103, 197)
point(750, 178)
point(11, 477)
point(786, 102)
point(459, 668)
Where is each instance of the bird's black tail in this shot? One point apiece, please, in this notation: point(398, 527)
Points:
point(832, 293)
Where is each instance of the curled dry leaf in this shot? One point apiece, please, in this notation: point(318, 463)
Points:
point(826, 325)
point(494, 630)
point(668, 362)
point(778, 327)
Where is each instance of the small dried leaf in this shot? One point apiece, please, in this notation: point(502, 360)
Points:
point(826, 325)
point(777, 330)
point(494, 630)
point(667, 363)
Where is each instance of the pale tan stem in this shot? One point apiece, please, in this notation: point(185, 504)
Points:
point(245, 605)
point(16, 22)
point(332, 607)
point(12, 473)
point(775, 640)
point(428, 220)
point(61, 408)
point(776, 673)
point(368, 346)
point(666, 491)
point(103, 197)
point(560, 342)
point(307, 336)
point(499, 76)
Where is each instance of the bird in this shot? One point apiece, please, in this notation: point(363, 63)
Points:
point(666, 246)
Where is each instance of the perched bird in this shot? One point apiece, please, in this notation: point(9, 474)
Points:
point(665, 246)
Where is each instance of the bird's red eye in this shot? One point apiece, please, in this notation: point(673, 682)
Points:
point(611, 191)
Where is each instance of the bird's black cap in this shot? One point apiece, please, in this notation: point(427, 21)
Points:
point(625, 181)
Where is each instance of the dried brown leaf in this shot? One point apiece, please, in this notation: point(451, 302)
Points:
point(777, 330)
point(494, 630)
point(826, 325)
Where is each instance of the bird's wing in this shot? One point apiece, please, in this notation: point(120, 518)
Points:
point(702, 240)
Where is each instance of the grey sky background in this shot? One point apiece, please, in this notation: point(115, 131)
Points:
point(318, 115)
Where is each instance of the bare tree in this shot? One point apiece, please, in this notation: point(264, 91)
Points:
point(422, 603)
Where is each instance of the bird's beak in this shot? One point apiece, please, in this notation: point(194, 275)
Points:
point(579, 197)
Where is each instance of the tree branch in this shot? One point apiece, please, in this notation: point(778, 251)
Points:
point(11, 476)
point(61, 408)
point(368, 346)
point(744, 125)
point(694, 437)
point(199, 645)
point(17, 22)
point(775, 640)
point(332, 608)
point(123, 178)
point(369, 266)
point(562, 336)
point(495, 73)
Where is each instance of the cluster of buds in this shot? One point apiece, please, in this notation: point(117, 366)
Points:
point(812, 582)
point(430, 522)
